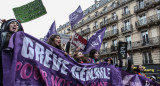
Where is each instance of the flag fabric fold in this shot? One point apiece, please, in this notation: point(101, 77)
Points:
point(95, 41)
point(76, 16)
point(51, 31)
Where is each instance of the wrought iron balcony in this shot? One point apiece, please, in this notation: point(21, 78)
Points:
point(139, 8)
point(154, 41)
point(114, 48)
point(84, 32)
point(149, 21)
point(105, 51)
point(95, 28)
point(126, 14)
point(146, 5)
point(104, 23)
point(126, 29)
point(114, 32)
point(148, 61)
point(106, 35)
point(113, 19)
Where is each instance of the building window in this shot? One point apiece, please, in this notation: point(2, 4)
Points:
point(104, 45)
point(96, 13)
point(128, 40)
point(114, 16)
point(113, 5)
point(114, 42)
point(89, 17)
point(145, 38)
point(97, 5)
point(105, 8)
point(147, 58)
point(141, 4)
point(115, 60)
point(126, 10)
point(105, 19)
point(126, 24)
point(96, 24)
point(114, 29)
point(158, 13)
point(142, 19)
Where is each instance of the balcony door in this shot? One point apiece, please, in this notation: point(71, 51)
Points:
point(126, 24)
point(142, 19)
point(128, 40)
point(145, 38)
point(141, 4)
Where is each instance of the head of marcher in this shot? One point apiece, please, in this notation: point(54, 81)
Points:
point(94, 54)
point(55, 41)
point(153, 77)
point(109, 60)
point(12, 25)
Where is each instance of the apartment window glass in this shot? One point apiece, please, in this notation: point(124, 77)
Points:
point(105, 19)
point(96, 13)
point(141, 4)
point(147, 58)
point(114, 15)
point(96, 24)
point(104, 45)
point(126, 10)
point(128, 40)
point(158, 13)
point(115, 60)
point(145, 38)
point(113, 4)
point(114, 42)
point(142, 19)
point(97, 5)
point(114, 29)
point(126, 24)
point(105, 8)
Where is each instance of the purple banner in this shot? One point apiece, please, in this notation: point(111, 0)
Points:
point(136, 80)
point(95, 41)
point(51, 31)
point(76, 16)
point(31, 62)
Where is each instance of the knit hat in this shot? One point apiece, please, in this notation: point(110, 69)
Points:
point(6, 24)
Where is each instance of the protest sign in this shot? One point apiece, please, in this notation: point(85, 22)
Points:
point(29, 11)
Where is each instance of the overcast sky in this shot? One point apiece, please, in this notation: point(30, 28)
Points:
point(57, 10)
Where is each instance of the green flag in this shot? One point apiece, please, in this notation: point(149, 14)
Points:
point(29, 11)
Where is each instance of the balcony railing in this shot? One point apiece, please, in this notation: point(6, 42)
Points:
point(104, 23)
point(154, 41)
point(118, 4)
point(95, 28)
point(113, 19)
point(114, 32)
point(105, 51)
point(146, 5)
point(126, 29)
point(149, 21)
point(85, 31)
point(146, 43)
point(126, 14)
point(114, 48)
point(107, 34)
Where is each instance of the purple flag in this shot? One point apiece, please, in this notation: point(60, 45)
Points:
point(51, 31)
point(76, 16)
point(31, 62)
point(95, 41)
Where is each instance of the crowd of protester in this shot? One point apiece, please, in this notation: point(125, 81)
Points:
point(11, 26)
